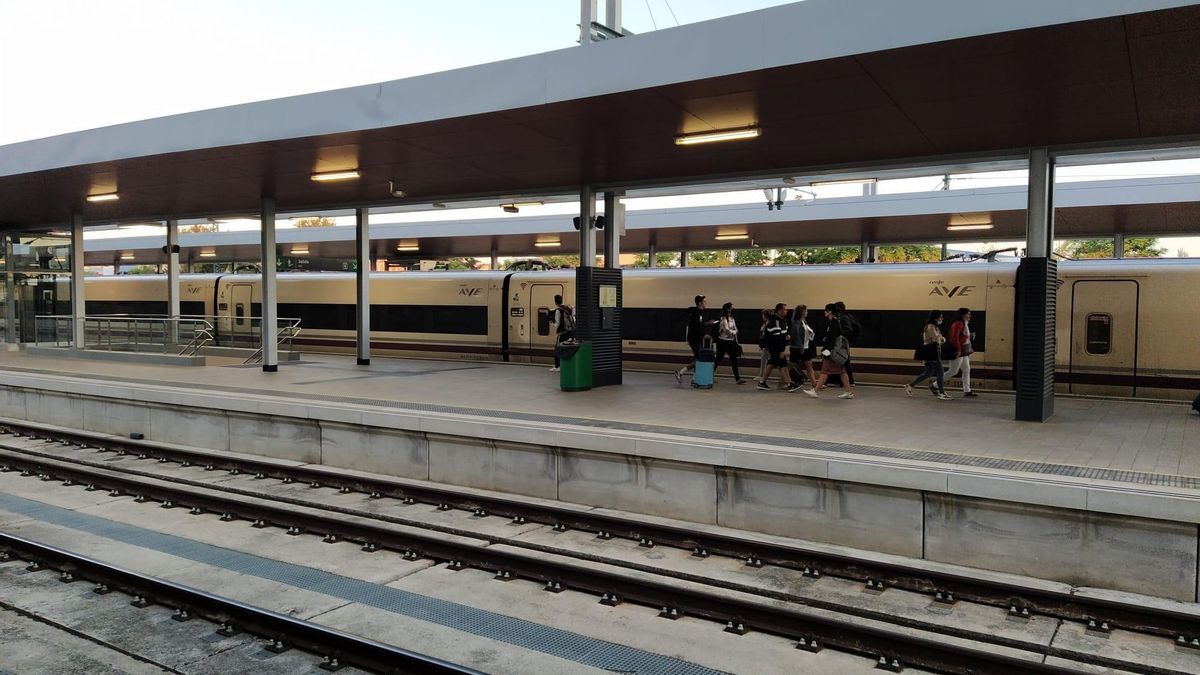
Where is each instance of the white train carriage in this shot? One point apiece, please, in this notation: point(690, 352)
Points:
point(1125, 328)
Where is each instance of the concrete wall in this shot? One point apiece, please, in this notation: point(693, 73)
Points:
point(1152, 555)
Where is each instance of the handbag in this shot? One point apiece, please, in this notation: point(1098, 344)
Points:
point(926, 352)
point(840, 353)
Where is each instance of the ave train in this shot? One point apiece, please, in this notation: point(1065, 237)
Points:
point(1124, 327)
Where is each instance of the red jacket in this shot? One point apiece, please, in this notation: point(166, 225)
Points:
point(957, 337)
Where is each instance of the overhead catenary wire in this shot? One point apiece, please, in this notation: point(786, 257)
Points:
point(651, 11)
point(672, 11)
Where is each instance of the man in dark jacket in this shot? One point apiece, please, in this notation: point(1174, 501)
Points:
point(695, 334)
point(776, 340)
point(850, 329)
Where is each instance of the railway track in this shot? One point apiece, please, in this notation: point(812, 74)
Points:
point(337, 649)
point(937, 648)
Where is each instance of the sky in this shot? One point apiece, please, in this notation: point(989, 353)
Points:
point(67, 65)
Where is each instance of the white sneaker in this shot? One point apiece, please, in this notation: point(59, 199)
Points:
point(679, 375)
point(810, 392)
point(908, 390)
point(945, 397)
point(555, 369)
point(848, 394)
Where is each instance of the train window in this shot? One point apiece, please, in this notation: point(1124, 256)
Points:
point(543, 321)
point(1099, 334)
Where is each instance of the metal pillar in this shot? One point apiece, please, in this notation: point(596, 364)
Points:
point(495, 264)
point(362, 278)
point(683, 258)
point(1037, 294)
point(870, 252)
point(587, 228)
point(1039, 232)
point(1119, 245)
point(614, 227)
point(869, 189)
point(269, 328)
point(172, 251)
point(652, 261)
point(10, 287)
point(864, 252)
point(945, 250)
point(78, 299)
point(587, 14)
point(612, 15)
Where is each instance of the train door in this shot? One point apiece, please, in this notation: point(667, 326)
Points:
point(540, 318)
point(1104, 333)
point(237, 327)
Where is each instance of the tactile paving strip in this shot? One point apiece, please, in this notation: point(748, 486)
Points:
point(1044, 468)
point(519, 632)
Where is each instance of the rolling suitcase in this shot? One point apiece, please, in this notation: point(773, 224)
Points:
point(705, 363)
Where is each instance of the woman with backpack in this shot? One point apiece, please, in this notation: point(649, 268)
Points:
point(727, 341)
point(960, 343)
point(835, 352)
point(803, 348)
point(930, 353)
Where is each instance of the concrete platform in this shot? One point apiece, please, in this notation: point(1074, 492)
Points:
point(1107, 493)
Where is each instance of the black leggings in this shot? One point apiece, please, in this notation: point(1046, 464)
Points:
point(728, 347)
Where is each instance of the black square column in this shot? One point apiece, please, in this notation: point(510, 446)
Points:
point(598, 301)
point(1037, 297)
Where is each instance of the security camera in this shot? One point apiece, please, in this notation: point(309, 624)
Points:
point(398, 194)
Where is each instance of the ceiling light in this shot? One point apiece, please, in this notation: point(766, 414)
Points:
point(58, 233)
point(986, 226)
point(959, 219)
point(126, 256)
point(299, 250)
point(844, 181)
point(106, 197)
point(730, 237)
point(409, 245)
point(717, 136)
point(789, 181)
point(335, 175)
point(208, 253)
point(408, 248)
point(547, 244)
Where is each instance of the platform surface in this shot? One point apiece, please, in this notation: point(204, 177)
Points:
point(1150, 444)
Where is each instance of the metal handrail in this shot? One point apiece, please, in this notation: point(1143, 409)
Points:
point(185, 335)
point(284, 338)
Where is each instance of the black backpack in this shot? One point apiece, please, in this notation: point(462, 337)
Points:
point(851, 328)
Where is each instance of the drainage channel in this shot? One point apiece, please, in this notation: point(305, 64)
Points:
point(283, 632)
point(892, 648)
point(1020, 601)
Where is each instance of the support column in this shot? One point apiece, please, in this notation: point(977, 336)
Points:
point(362, 277)
point(871, 253)
point(172, 251)
point(78, 299)
point(612, 15)
point(587, 14)
point(269, 328)
point(1037, 295)
point(652, 261)
point(587, 229)
point(864, 252)
point(495, 263)
point(614, 227)
point(683, 258)
point(945, 250)
point(1119, 245)
point(10, 288)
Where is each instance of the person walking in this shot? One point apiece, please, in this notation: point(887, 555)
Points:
point(960, 340)
point(564, 327)
point(930, 352)
point(803, 347)
point(835, 352)
point(694, 335)
point(764, 354)
point(776, 340)
point(727, 341)
point(851, 330)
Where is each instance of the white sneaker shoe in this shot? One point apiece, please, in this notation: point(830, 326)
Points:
point(908, 390)
point(811, 393)
point(945, 397)
point(848, 394)
point(555, 369)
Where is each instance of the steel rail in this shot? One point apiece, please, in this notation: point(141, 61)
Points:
point(886, 645)
point(1021, 601)
point(337, 647)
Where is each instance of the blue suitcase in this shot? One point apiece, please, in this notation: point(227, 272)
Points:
point(705, 363)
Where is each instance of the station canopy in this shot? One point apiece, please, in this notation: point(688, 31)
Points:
point(827, 84)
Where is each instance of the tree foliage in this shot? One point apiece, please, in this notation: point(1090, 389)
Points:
point(313, 222)
point(820, 255)
point(660, 260)
point(708, 259)
point(1135, 247)
point(560, 261)
point(462, 263)
point(199, 228)
point(752, 256)
point(909, 253)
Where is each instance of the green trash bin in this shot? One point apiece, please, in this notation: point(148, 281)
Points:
point(575, 371)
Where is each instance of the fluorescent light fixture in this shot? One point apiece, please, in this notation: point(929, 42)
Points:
point(970, 221)
point(844, 181)
point(731, 237)
point(718, 136)
point(547, 244)
point(404, 249)
point(106, 197)
point(982, 226)
point(58, 233)
point(208, 253)
point(335, 175)
point(408, 245)
point(300, 250)
point(126, 256)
